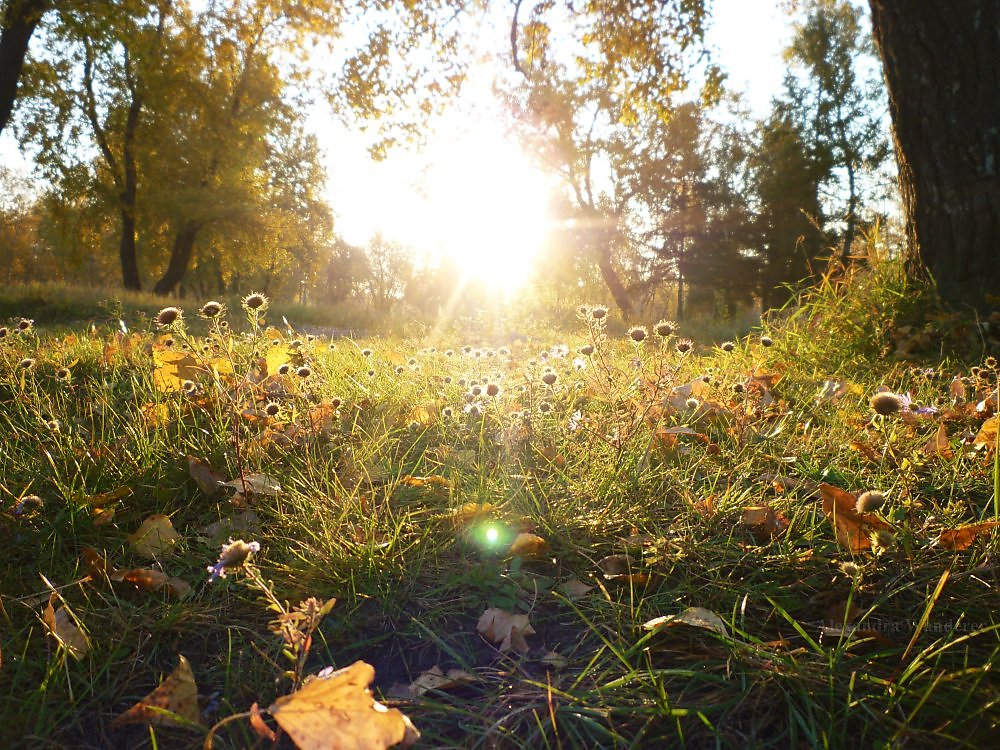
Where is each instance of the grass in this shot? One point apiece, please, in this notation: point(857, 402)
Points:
point(636, 493)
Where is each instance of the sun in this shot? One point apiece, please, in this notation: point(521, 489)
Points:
point(486, 209)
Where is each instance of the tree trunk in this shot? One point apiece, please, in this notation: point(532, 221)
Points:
point(618, 292)
point(19, 24)
point(180, 257)
point(942, 70)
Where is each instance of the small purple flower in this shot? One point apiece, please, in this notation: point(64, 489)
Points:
point(233, 556)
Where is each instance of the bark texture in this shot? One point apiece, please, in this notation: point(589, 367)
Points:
point(18, 24)
point(942, 70)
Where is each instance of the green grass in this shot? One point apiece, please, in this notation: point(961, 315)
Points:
point(577, 462)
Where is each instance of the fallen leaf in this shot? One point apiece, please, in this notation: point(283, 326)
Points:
point(255, 484)
point(102, 499)
point(764, 522)
point(153, 580)
point(257, 722)
point(172, 367)
point(505, 628)
point(853, 529)
point(622, 569)
point(64, 629)
point(435, 679)
point(338, 711)
point(528, 545)
point(574, 588)
point(208, 479)
point(430, 482)
point(173, 703)
point(938, 444)
point(155, 537)
point(280, 354)
point(987, 434)
point(696, 617)
point(963, 537)
point(469, 512)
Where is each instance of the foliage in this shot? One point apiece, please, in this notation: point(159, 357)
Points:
point(613, 539)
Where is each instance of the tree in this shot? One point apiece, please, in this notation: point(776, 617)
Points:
point(837, 105)
point(18, 20)
point(942, 71)
point(786, 179)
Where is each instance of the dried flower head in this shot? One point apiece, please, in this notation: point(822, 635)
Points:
point(598, 312)
point(692, 403)
point(168, 316)
point(399, 369)
point(869, 502)
point(638, 334)
point(189, 387)
point(284, 368)
point(272, 408)
point(492, 390)
point(211, 309)
point(25, 324)
point(766, 341)
point(587, 349)
point(26, 364)
point(255, 301)
point(449, 353)
point(475, 391)
point(665, 328)
point(683, 346)
point(990, 363)
point(63, 373)
point(727, 346)
point(335, 403)
point(447, 412)
point(304, 371)
point(366, 352)
point(549, 378)
point(886, 403)
point(738, 388)
point(3, 332)
point(233, 555)
point(545, 407)
point(850, 569)
point(53, 425)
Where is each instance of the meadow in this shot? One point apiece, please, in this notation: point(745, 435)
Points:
point(597, 536)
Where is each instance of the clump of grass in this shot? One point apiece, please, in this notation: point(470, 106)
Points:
point(407, 469)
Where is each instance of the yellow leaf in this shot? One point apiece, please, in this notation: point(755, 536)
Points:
point(574, 588)
point(938, 444)
point(435, 679)
point(505, 628)
point(155, 537)
point(528, 545)
point(171, 368)
point(764, 522)
point(988, 433)
point(173, 703)
point(62, 627)
point(339, 712)
point(281, 354)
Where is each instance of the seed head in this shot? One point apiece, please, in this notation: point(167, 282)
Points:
point(211, 309)
point(304, 371)
point(549, 378)
point(25, 324)
point(168, 316)
point(638, 334)
point(492, 390)
point(255, 301)
point(233, 555)
point(272, 408)
point(683, 346)
point(366, 352)
point(598, 312)
point(886, 403)
point(587, 349)
point(691, 403)
point(26, 364)
point(63, 373)
point(545, 407)
point(189, 386)
point(727, 346)
point(766, 341)
point(869, 502)
point(850, 569)
point(3, 332)
point(284, 368)
point(665, 328)
point(336, 402)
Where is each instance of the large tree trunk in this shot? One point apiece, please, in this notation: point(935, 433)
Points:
point(618, 292)
point(180, 257)
point(19, 24)
point(942, 70)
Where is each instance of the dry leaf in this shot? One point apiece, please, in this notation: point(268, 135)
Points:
point(208, 479)
point(505, 628)
point(469, 512)
point(279, 355)
point(622, 569)
point(435, 679)
point(987, 434)
point(429, 482)
point(764, 522)
point(255, 484)
point(172, 367)
point(153, 580)
point(339, 712)
point(62, 627)
point(528, 545)
point(853, 529)
point(696, 617)
point(574, 588)
point(102, 499)
point(963, 537)
point(257, 722)
point(173, 703)
point(155, 537)
point(938, 444)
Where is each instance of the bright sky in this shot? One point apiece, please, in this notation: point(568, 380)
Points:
point(472, 193)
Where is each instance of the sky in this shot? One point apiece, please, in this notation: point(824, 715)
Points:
point(403, 197)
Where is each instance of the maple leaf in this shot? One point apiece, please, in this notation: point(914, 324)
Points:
point(338, 711)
